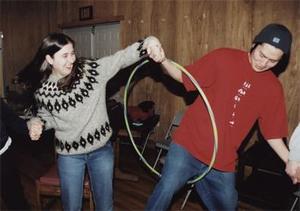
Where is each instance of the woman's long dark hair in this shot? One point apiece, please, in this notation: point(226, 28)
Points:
point(38, 70)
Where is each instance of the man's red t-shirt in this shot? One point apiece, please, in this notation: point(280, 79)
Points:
point(238, 96)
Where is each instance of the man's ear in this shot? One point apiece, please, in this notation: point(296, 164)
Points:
point(49, 59)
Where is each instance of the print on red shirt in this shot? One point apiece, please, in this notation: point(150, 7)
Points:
point(237, 98)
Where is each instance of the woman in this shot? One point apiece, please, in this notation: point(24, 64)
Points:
point(293, 165)
point(70, 96)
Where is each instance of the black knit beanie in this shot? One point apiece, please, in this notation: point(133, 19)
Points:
point(276, 35)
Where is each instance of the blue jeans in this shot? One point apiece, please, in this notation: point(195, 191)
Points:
point(216, 189)
point(100, 169)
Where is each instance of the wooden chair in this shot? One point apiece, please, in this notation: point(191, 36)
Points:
point(49, 185)
point(119, 174)
point(142, 134)
point(163, 145)
point(296, 201)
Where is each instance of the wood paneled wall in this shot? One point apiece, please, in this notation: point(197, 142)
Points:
point(24, 24)
point(187, 29)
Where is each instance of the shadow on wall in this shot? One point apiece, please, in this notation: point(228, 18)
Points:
point(154, 71)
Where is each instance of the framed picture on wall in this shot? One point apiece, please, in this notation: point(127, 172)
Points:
point(86, 13)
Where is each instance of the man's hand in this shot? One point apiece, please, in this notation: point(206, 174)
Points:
point(293, 170)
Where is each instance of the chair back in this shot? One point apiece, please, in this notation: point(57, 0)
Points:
point(175, 123)
point(164, 144)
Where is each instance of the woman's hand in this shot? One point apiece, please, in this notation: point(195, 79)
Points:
point(35, 127)
point(154, 49)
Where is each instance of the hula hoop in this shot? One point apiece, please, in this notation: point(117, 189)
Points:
point(211, 114)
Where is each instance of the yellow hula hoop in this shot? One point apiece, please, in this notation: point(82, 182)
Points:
point(211, 114)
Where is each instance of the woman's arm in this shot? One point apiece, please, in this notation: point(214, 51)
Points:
point(110, 65)
point(294, 145)
point(46, 118)
point(293, 165)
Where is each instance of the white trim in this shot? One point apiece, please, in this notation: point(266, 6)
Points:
point(7, 144)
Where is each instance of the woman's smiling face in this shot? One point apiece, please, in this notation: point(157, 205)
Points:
point(62, 61)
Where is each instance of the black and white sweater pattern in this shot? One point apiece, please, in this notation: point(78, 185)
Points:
point(79, 116)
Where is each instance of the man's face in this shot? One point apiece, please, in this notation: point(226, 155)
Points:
point(264, 57)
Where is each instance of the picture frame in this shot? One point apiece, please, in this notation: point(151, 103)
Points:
point(86, 13)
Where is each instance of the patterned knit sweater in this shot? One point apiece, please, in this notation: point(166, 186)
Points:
point(79, 116)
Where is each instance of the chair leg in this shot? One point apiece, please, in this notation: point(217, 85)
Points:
point(146, 141)
point(117, 152)
point(157, 158)
point(294, 204)
point(187, 196)
point(38, 202)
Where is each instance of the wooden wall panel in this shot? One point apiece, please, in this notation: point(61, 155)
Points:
point(137, 23)
point(109, 8)
point(67, 11)
point(162, 18)
point(24, 24)
point(295, 70)
point(291, 78)
point(238, 22)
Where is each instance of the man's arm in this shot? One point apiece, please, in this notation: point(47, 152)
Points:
point(12, 120)
point(156, 52)
point(172, 70)
point(18, 125)
point(279, 147)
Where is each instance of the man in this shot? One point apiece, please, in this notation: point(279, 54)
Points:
point(241, 89)
point(11, 124)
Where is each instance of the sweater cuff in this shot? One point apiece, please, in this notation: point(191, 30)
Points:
point(294, 156)
point(45, 122)
point(142, 51)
